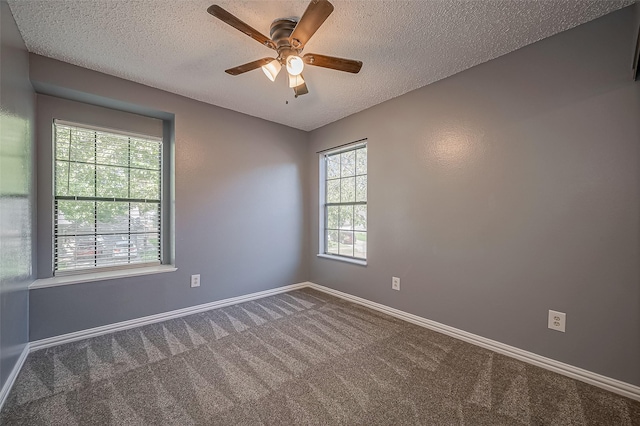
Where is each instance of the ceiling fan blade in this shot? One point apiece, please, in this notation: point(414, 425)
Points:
point(301, 90)
point(317, 12)
point(248, 67)
point(236, 23)
point(340, 64)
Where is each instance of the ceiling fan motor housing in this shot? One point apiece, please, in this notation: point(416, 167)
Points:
point(280, 32)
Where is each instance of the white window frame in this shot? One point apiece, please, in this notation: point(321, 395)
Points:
point(322, 156)
point(131, 269)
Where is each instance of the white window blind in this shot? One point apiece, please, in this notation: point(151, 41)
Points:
point(107, 199)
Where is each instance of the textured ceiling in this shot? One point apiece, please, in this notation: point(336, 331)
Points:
point(177, 46)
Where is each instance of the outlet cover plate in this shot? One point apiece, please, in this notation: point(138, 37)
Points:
point(395, 283)
point(557, 320)
point(195, 280)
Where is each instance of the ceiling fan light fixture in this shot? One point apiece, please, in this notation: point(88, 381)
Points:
point(272, 69)
point(295, 80)
point(294, 64)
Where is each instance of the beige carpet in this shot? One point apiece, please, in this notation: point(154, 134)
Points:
point(297, 358)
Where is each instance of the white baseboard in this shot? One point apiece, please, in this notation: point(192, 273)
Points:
point(4, 392)
point(612, 385)
point(139, 322)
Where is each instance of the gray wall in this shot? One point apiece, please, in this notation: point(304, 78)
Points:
point(508, 190)
point(17, 109)
point(239, 206)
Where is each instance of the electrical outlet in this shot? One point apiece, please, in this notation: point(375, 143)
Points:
point(395, 283)
point(195, 280)
point(557, 320)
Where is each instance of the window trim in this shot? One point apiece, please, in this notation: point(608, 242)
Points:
point(322, 190)
point(114, 271)
point(92, 276)
point(355, 261)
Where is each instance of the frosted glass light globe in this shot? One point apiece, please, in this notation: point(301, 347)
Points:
point(295, 80)
point(272, 69)
point(294, 65)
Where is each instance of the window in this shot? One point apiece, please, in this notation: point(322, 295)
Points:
point(107, 199)
point(343, 195)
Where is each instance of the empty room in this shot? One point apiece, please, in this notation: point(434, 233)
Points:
point(319, 212)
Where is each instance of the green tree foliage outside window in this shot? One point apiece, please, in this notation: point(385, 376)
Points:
point(108, 198)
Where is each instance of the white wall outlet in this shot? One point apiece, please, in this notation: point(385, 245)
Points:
point(195, 280)
point(395, 283)
point(557, 320)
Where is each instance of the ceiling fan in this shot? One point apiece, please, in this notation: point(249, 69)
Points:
point(288, 38)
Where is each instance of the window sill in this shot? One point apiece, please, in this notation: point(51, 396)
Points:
point(344, 259)
point(99, 276)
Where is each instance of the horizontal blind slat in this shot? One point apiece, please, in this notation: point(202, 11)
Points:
point(85, 127)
